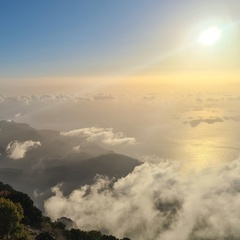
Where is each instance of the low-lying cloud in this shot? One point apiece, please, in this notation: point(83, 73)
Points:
point(17, 150)
point(53, 98)
point(157, 201)
point(212, 120)
point(77, 149)
point(104, 135)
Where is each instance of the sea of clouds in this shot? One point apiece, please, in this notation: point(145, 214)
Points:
point(157, 201)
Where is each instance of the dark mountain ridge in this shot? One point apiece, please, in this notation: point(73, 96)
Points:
point(56, 161)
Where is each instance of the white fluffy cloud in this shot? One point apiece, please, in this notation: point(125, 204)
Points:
point(17, 115)
point(104, 135)
point(77, 149)
point(157, 201)
point(17, 150)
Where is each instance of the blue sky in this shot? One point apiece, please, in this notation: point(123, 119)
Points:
point(108, 37)
point(57, 33)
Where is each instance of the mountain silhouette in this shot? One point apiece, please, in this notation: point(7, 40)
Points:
point(56, 161)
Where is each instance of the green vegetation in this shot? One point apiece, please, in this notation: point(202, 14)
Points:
point(76, 234)
point(21, 220)
point(44, 236)
point(32, 215)
point(11, 215)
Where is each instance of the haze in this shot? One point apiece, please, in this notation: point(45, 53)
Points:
point(139, 91)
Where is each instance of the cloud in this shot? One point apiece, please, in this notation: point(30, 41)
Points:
point(37, 194)
point(212, 99)
point(149, 97)
point(102, 96)
point(77, 149)
point(17, 150)
point(104, 135)
point(234, 98)
point(157, 201)
point(55, 98)
point(234, 118)
point(212, 120)
point(2, 98)
point(17, 115)
point(152, 158)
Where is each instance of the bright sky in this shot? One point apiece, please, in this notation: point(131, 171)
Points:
point(48, 42)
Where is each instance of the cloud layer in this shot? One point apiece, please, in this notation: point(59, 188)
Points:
point(104, 135)
point(156, 201)
point(17, 150)
point(212, 120)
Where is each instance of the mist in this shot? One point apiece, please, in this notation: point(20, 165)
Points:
point(124, 116)
point(157, 201)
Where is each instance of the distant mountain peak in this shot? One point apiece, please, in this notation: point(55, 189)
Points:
point(6, 124)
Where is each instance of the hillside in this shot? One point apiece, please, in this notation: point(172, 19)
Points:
point(34, 161)
point(34, 225)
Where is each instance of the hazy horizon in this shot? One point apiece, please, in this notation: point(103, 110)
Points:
point(124, 110)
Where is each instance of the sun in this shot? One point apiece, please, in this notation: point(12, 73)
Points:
point(210, 36)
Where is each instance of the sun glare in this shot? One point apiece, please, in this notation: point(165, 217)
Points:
point(210, 36)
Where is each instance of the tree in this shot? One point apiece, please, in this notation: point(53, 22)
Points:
point(21, 233)
point(32, 215)
point(75, 234)
point(108, 237)
point(10, 216)
point(95, 235)
point(44, 236)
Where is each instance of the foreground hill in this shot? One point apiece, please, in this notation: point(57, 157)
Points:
point(32, 225)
